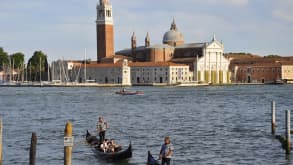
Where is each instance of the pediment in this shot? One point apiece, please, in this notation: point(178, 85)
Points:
point(215, 45)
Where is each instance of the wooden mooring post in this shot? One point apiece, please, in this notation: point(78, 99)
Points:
point(288, 132)
point(1, 131)
point(273, 106)
point(33, 149)
point(68, 143)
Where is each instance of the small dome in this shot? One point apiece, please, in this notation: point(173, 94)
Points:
point(173, 36)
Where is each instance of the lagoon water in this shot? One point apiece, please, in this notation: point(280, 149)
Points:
point(208, 125)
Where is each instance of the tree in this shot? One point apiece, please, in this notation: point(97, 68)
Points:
point(4, 60)
point(272, 56)
point(18, 60)
point(38, 62)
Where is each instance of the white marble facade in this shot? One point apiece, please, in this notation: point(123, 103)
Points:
point(212, 67)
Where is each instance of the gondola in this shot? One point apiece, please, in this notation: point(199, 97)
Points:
point(151, 160)
point(121, 154)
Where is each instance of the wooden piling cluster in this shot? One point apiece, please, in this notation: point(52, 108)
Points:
point(1, 131)
point(68, 144)
point(33, 149)
point(288, 132)
point(68, 147)
point(273, 107)
point(284, 140)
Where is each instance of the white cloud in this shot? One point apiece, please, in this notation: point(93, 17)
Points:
point(14, 5)
point(283, 10)
point(66, 28)
point(284, 15)
point(235, 3)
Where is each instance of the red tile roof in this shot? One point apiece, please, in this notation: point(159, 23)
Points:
point(131, 64)
point(154, 64)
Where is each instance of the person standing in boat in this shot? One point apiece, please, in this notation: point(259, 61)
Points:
point(166, 151)
point(101, 128)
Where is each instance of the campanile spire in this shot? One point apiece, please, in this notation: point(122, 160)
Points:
point(105, 30)
point(104, 2)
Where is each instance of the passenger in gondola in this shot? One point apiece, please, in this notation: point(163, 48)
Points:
point(114, 146)
point(166, 151)
point(105, 145)
point(101, 129)
point(111, 147)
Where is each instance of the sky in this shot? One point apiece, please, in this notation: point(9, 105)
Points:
point(63, 29)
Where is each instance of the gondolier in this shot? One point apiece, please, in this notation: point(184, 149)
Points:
point(101, 128)
point(166, 151)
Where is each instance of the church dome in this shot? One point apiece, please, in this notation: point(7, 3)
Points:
point(173, 36)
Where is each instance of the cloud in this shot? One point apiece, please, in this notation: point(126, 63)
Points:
point(13, 5)
point(284, 15)
point(234, 3)
point(283, 10)
point(65, 28)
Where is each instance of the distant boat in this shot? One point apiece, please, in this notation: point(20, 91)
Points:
point(124, 92)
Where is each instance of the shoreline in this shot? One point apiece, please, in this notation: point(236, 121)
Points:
point(80, 85)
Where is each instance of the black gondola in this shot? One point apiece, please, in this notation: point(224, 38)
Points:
point(151, 160)
point(93, 141)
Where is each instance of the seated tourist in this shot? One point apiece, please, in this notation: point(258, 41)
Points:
point(111, 147)
point(104, 146)
point(115, 145)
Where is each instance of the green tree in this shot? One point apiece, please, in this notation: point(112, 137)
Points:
point(38, 62)
point(4, 59)
point(272, 56)
point(17, 59)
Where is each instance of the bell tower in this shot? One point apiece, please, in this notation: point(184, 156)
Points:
point(105, 30)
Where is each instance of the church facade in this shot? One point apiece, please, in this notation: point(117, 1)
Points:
point(171, 62)
point(205, 60)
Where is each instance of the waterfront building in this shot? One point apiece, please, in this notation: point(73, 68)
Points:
point(2, 76)
point(166, 73)
point(8, 74)
point(261, 70)
point(205, 60)
point(287, 72)
point(102, 73)
point(130, 73)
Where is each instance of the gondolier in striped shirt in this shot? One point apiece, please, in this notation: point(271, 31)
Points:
point(101, 128)
point(166, 151)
